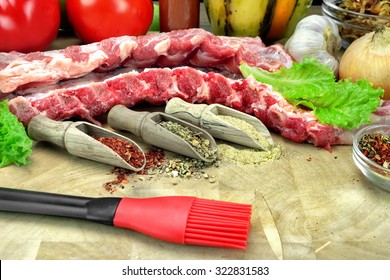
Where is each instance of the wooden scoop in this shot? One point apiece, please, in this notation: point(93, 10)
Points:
point(146, 125)
point(78, 139)
point(209, 118)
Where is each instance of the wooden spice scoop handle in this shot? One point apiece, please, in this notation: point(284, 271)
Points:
point(122, 118)
point(191, 113)
point(41, 128)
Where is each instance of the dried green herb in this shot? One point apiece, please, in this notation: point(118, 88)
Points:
point(199, 143)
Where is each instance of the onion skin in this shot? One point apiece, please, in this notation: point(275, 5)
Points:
point(369, 57)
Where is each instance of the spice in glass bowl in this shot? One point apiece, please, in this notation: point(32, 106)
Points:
point(367, 152)
point(376, 147)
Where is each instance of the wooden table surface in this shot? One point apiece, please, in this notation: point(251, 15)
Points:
point(322, 206)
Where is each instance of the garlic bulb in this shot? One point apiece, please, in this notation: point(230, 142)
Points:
point(316, 36)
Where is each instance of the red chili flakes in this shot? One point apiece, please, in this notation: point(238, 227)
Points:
point(129, 152)
point(154, 158)
point(121, 178)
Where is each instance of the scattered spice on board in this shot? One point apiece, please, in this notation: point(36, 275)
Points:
point(121, 179)
point(376, 147)
point(199, 143)
point(129, 152)
point(184, 167)
point(248, 128)
point(154, 158)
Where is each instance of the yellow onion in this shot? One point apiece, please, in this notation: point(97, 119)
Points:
point(369, 57)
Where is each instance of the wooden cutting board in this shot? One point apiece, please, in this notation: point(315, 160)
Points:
point(322, 205)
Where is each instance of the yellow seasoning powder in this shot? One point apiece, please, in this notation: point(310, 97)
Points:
point(248, 128)
point(243, 155)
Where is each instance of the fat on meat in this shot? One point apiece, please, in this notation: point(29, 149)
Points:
point(195, 47)
point(96, 93)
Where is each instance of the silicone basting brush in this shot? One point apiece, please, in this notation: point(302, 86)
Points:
point(177, 219)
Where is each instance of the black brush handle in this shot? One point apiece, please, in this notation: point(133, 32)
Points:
point(100, 210)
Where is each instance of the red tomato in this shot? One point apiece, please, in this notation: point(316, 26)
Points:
point(95, 20)
point(28, 25)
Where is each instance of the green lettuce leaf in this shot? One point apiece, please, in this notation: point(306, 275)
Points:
point(311, 84)
point(15, 145)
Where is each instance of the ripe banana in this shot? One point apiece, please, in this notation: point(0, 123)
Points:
point(216, 14)
point(254, 17)
point(239, 17)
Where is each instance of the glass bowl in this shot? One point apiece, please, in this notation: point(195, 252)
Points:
point(352, 24)
point(376, 173)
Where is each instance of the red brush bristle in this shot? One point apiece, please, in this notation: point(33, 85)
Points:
point(218, 223)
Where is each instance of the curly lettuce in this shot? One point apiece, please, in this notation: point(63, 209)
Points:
point(15, 145)
point(311, 84)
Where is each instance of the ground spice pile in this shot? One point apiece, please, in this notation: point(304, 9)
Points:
point(248, 129)
point(243, 155)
